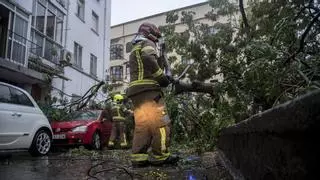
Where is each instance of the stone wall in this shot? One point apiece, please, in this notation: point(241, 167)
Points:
point(280, 143)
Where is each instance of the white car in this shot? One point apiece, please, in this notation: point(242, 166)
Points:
point(23, 126)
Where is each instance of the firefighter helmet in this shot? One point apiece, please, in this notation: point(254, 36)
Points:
point(118, 98)
point(150, 31)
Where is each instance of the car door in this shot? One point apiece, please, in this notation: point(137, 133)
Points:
point(105, 124)
point(26, 114)
point(8, 120)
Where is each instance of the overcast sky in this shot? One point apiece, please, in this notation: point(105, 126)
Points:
point(127, 10)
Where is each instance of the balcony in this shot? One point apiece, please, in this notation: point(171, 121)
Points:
point(21, 63)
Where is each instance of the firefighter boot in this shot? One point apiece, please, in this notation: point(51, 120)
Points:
point(110, 144)
point(171, 160)
point(139, 160)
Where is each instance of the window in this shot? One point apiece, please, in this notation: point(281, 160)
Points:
point(95, 22)
point(50, 24)
point(52, 51)
point(116, 73)
point(78, 115)
point(128, 47)
point(127, 74)
point(116, 51)
point(48, 50)
point(93, 65)
point(47, 31)
point(80, 9)
point(40, 17)
point(59, 27)
point(5, 96)
point(18, 97)
point(77, 55)
point(52, 16)
point(37, 43)
point(17, 39)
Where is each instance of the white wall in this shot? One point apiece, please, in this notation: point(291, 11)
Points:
point(91, 42)
point(81, 33)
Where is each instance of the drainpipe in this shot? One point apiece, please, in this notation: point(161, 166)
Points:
point(65, 41)
point(104, 40)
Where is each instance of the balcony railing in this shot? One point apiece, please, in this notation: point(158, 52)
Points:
point(17, 52)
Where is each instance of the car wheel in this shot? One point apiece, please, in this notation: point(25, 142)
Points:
point(41, 144)
point(96, 141)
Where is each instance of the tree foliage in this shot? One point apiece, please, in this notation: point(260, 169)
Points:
point(266, 53)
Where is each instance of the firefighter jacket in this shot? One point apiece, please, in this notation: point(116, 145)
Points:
point(118, 112)
point(145, 72)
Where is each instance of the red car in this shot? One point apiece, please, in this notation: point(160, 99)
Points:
point(82, 128)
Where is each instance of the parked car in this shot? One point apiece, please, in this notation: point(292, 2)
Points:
point(23, 126)
point(82, 128)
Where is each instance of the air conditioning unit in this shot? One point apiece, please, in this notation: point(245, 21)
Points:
point(66, 58)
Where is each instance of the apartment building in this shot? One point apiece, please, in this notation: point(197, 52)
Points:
point(122, 35)
point(60, 43)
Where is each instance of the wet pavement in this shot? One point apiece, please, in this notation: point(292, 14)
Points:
point(81, 164)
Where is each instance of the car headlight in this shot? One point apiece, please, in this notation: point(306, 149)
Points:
point(80, 129)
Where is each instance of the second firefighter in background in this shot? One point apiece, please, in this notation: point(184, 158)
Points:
point(118, 131)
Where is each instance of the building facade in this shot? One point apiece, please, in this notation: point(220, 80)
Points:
point(54, 47)
point(122, 35)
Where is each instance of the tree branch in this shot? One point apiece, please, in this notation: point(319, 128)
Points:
point(303, 37)
point(244, 16)
point(195, 86)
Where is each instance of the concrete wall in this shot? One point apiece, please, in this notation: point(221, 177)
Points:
point(280, 143)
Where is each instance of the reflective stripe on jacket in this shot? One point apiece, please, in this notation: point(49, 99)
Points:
point(145, 72)
point(117, 113)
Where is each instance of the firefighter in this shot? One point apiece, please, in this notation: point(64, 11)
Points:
point(118, 122)
point(146, 80)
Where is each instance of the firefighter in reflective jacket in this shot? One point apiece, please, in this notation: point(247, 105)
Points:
point(118, 122)
point(146, 80)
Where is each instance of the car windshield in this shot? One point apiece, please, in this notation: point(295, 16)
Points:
point(83, 115)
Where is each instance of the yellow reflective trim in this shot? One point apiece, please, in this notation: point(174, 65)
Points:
point(118, 118)
point(140, 65)
point(163, 157)
point(149, 50)
point(124, 143)
point(137, 47)
point(110, 143)
point(163, 139)
point(158, 73)
point(118, 110)
point(143, 82)
point(139, 157)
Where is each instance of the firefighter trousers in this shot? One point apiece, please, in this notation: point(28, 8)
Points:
point(118, 133)
point(152, 128)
